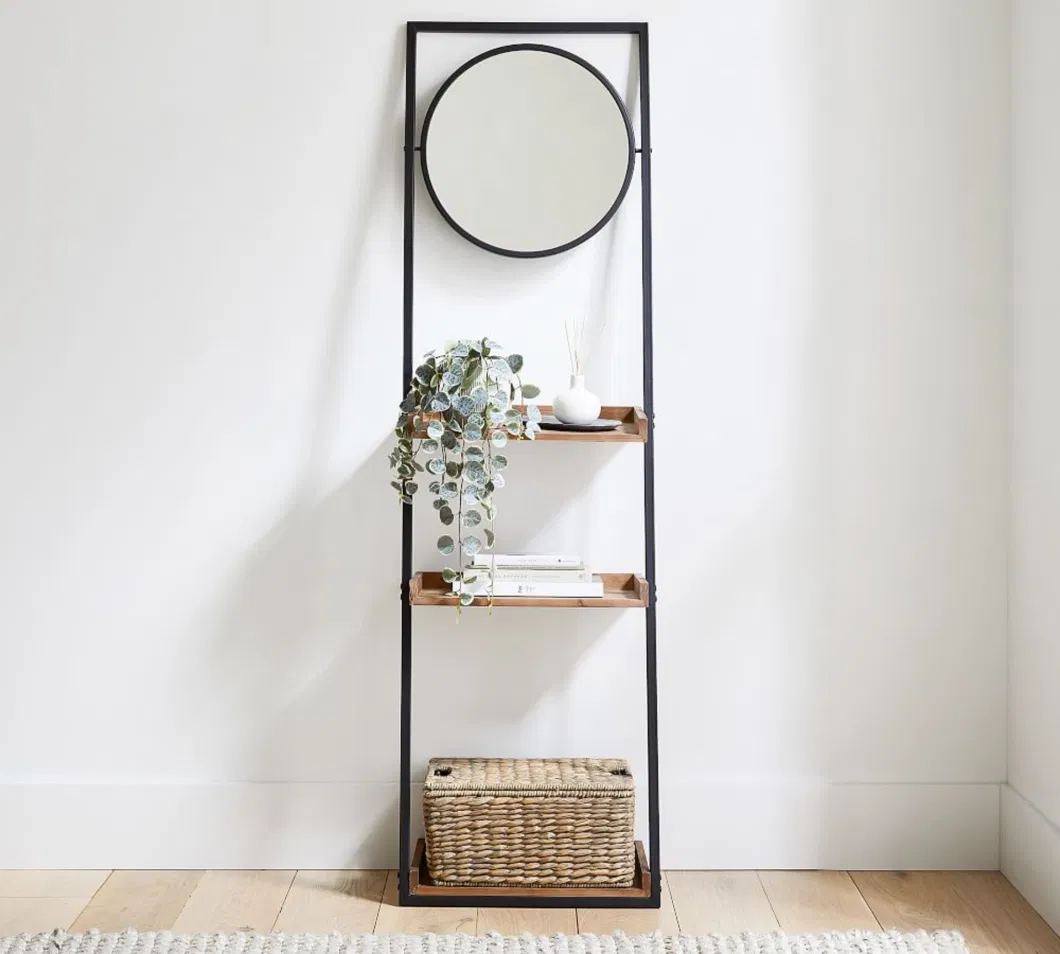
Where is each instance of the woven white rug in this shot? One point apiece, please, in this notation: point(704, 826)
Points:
point(163, 942)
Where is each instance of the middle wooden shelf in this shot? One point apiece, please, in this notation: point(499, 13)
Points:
point(621, 591)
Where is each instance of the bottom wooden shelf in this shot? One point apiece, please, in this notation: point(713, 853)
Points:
point(420, 884)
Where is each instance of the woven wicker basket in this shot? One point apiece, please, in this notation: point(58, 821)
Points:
point(527, 822)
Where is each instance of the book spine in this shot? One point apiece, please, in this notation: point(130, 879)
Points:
point(532, 575)
point(544, 560)
point(591, 590)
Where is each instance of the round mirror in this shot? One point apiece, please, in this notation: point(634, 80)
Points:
point(527, 150)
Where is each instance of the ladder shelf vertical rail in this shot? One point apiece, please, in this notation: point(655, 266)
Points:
point(405, 793)
point(649, 468)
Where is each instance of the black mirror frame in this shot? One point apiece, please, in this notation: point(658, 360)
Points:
point(425, 138)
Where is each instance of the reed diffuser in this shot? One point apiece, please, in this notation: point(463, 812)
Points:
point(576, 405)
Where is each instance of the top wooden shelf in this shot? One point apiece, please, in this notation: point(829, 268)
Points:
point(632, 430)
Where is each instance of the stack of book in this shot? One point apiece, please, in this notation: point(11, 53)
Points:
point(546, 575)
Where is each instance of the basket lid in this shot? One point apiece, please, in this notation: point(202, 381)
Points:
point(610, 776)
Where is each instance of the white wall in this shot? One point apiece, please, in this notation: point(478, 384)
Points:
point(1031, 804)
point(200, 289)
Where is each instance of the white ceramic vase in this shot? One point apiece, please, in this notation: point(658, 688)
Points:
point(576, 405)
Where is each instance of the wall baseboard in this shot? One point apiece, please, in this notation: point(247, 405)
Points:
point(740, 824)
point(1030, 854)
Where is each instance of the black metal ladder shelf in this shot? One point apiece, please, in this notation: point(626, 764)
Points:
point(413, 888)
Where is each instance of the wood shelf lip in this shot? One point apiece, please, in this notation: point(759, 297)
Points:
point(632, 430)
point(621, 591)
point(420, 884)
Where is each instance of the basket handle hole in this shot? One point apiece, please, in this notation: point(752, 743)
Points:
point(620, 771)
point(443, 772)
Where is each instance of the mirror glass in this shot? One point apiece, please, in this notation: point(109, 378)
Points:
point(527, 150)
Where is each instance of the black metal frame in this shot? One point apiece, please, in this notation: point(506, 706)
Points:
point(425, 142)
point(640, 30)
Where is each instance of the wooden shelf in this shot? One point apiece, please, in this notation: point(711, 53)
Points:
point(621, 590)
point(420, 884)
point(633, 429)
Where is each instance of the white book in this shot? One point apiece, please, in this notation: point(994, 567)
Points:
point(542, 560)
point(513, 574)
point(594, 589)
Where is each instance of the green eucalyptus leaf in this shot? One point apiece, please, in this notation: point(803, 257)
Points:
point(434, 487)
point(479, 396)
point(470, 578)
point(436, 466)
point(466, 599)
point(472, 518)
point(449, 441)
point(449, 490)
point(460, 350)
point(475, 472)
point(445, 544)
point(425, 372)
point(474, 454)
point(417, 465)
point(445, 514)
point(473, 432)
point(450, 380)
point(515, 362)
point(499, 462)
point(411, 488)
point(498, 438)
point(489, 538)
point(429, 446)
point(396, 485)
point(440, 401)
point(435, 429)
point(500, 399)
point(408, 405)
point(472, 544)
point(496, 415)
point(533, 413)
point(513, 415)
point(437, 503)
point(449, 574)
point(530, 433)
point(476, 420)
point(491, 344)
point(498, 480)
point(405, 470)
point(514, 428)
point(530, 391)
point(453, 469)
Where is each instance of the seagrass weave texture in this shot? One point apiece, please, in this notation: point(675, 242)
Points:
point(529, 822)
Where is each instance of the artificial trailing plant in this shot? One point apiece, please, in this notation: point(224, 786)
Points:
point(459, 413)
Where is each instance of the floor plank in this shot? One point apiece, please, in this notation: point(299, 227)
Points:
point(972, 902)
point(805, 902)
point(144, 900)
point(325, 901)
point(631, 920)
point(51, 884)
point(38, 915)
point(511, 922)
point(395, 920)
point(235, 901)
point(720, 902)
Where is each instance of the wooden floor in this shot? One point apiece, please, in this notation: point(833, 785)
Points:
point(990, 912)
